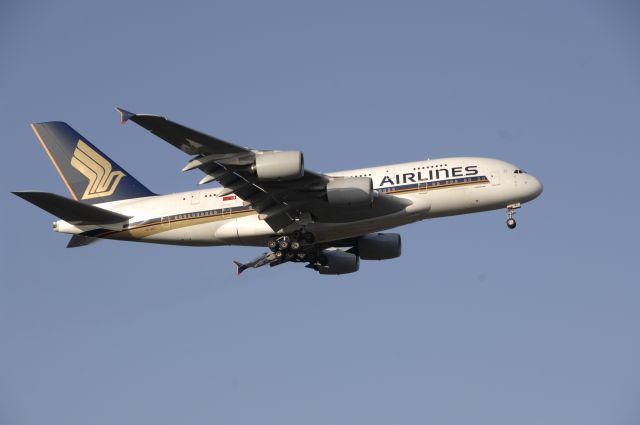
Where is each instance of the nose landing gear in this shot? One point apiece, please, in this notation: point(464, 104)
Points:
point(511, 222)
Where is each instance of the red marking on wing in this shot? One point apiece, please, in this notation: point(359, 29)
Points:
point(229, 198)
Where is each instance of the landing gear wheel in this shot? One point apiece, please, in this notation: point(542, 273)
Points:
point(296, 234)
point(511, 210)
point(273, 245)
point(289, 255)
point(295, 245)
point(279, 255)
point(283, 244)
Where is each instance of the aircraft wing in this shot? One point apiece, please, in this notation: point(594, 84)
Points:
point(262, 260)
point(277, 202)
point(189, 141)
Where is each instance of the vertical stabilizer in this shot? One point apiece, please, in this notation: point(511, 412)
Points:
point(89, 174)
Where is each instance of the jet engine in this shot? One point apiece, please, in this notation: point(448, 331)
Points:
point(274, 165)
point(379, 246)
point(353, 191)
point(338, 262)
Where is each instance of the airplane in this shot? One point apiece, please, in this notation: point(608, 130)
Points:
point(267, 198)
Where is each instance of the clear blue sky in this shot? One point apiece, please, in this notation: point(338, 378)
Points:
point(473, 324)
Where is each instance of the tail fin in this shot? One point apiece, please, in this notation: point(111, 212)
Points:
point(88, 173)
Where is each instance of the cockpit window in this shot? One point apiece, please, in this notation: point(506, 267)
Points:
point(520, 172)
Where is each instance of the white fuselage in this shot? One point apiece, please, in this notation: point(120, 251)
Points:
point(434, 188)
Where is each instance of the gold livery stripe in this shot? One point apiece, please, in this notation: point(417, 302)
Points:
point(145, 230)
point(55, 164)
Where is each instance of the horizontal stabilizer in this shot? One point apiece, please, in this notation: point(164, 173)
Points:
point(79, 240)
point(74, 212)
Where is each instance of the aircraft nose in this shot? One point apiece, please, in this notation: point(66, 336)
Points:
point(535, 187)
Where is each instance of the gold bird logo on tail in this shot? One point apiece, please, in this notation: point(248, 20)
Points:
point(102, 181)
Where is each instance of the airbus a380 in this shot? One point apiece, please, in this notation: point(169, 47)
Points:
point(328, 221)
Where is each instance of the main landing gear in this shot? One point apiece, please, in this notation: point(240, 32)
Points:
point(291, 247)
point(511, 222)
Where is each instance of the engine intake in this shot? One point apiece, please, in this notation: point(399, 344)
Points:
point(355, 191)
point(380, 246)
point(286, 165)
point(339, 262)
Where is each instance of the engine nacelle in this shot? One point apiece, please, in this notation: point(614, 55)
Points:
point(284, 165)
point(356, 191)
point(339, 262)
point(380, 246)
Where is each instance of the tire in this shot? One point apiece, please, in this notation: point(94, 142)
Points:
point(295, 245)
point(273, 245)
point(279, 255)
point(296, 234)
point(511, 223)
point(283, 244)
